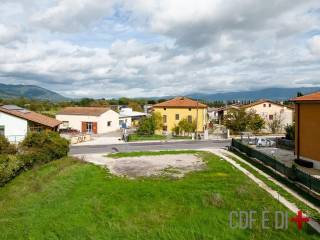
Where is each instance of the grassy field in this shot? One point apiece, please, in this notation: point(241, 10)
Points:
point(148, 153)
point(69, 199)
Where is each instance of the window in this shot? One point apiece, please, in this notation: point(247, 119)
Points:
point(190, 119)
point(177, 117)
point(164, 118)
point(165, 108)
point(65, 124)
point(264, 105)
point(271, 117)
point(189, 109)
point(164, 128)
point(109, 123)
point(269, 104)
point(2, 130)
point(89, 127)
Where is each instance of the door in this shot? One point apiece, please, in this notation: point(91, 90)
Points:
point(95, 127)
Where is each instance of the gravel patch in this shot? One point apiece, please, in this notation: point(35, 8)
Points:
point(176, 165)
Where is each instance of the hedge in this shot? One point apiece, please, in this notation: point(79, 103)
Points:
point(37, 148)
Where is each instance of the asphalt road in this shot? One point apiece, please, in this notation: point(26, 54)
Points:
point(147, 146)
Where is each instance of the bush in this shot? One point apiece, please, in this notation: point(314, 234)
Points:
point(10, 166)
point(148, 125)
point(290, 132)
point(45, 146)
point(6, 147)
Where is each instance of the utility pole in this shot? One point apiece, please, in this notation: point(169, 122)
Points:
point(197, 119)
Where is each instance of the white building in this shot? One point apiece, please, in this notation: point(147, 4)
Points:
point(270, 110)
point(128, 117)
point(213, 113)
point(16, 122)
point(93, 120)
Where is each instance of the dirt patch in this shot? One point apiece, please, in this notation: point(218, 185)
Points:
point(146, 166)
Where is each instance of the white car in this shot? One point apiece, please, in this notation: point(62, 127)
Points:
point(264, 142)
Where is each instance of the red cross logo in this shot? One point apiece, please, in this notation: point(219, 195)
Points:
point(299, 219)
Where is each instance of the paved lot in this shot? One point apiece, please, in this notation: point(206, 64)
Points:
point(148, 146)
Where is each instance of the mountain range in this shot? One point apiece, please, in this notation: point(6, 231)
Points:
point(29, 91)
point(36, 92)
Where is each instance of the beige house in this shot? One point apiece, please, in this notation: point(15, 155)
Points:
point(270, 111)
point(92, 120)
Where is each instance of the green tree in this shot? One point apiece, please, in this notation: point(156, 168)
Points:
point(135, 106)
point(187, 127)
point(256, 123)
point(236, 120)
point(290, 132)
point(148, 125)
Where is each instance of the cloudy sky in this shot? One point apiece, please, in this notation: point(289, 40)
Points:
point(112, 48)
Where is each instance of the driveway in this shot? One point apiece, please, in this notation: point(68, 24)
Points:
point(103, 139)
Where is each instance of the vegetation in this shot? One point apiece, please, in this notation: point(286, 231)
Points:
point(275, 125)
point(68, 199)
point(290, 132)
point(148, 125)
point(6, 147)
point(186, 127)
point(305, 208)
point(241, 120)
point(36, 149)
point(136, 137)
point(151, 153)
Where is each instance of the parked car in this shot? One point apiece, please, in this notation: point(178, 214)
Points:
point(264, 142)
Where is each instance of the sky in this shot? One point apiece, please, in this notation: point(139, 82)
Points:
point(152, 48)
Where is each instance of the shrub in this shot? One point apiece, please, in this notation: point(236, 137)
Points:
point(148, 125)
point(45, 146)
point(10, 166)
point(6, 147)
point(290, 132)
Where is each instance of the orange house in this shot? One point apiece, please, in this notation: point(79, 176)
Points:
point(308, 129)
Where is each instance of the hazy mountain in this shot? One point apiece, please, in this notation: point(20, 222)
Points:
point(269, 93)
point(28, 91)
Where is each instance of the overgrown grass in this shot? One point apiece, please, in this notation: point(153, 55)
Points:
point(150, 153)
point(305, 208)
point(69, 199)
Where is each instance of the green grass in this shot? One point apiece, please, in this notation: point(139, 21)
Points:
point(68, 199)
point(149, 153)
point(305, 208)
point(136, 137)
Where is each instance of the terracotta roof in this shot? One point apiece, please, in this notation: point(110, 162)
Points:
point(182, 102)
point(30, 116)
point(310, 97)
point(85, 111)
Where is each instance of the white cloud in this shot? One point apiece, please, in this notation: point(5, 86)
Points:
point(104, 48)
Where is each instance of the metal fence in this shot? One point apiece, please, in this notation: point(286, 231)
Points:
point(291, 172)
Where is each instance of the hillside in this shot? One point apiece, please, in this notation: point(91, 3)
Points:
point(269, 93)
point(28, 91)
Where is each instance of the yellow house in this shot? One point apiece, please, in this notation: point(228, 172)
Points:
point(174, 110)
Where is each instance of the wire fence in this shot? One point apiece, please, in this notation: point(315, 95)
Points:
point(292, 172)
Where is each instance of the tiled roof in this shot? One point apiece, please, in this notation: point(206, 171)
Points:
point(84, 111)
point(310, 97)
point(30, 116)
point(182, 102)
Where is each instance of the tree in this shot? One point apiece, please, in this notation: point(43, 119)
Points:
point(275, 125)
point(148, 125)
point(256, 123)
point(187, 127)
point(135, 106)
point(240, 120)
point(290, 132)
point(236, 120)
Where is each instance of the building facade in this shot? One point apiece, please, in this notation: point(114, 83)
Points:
point(92, 120)
point(270, 111)
point(16, 122)
point(174, 110)
point(308, 129)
